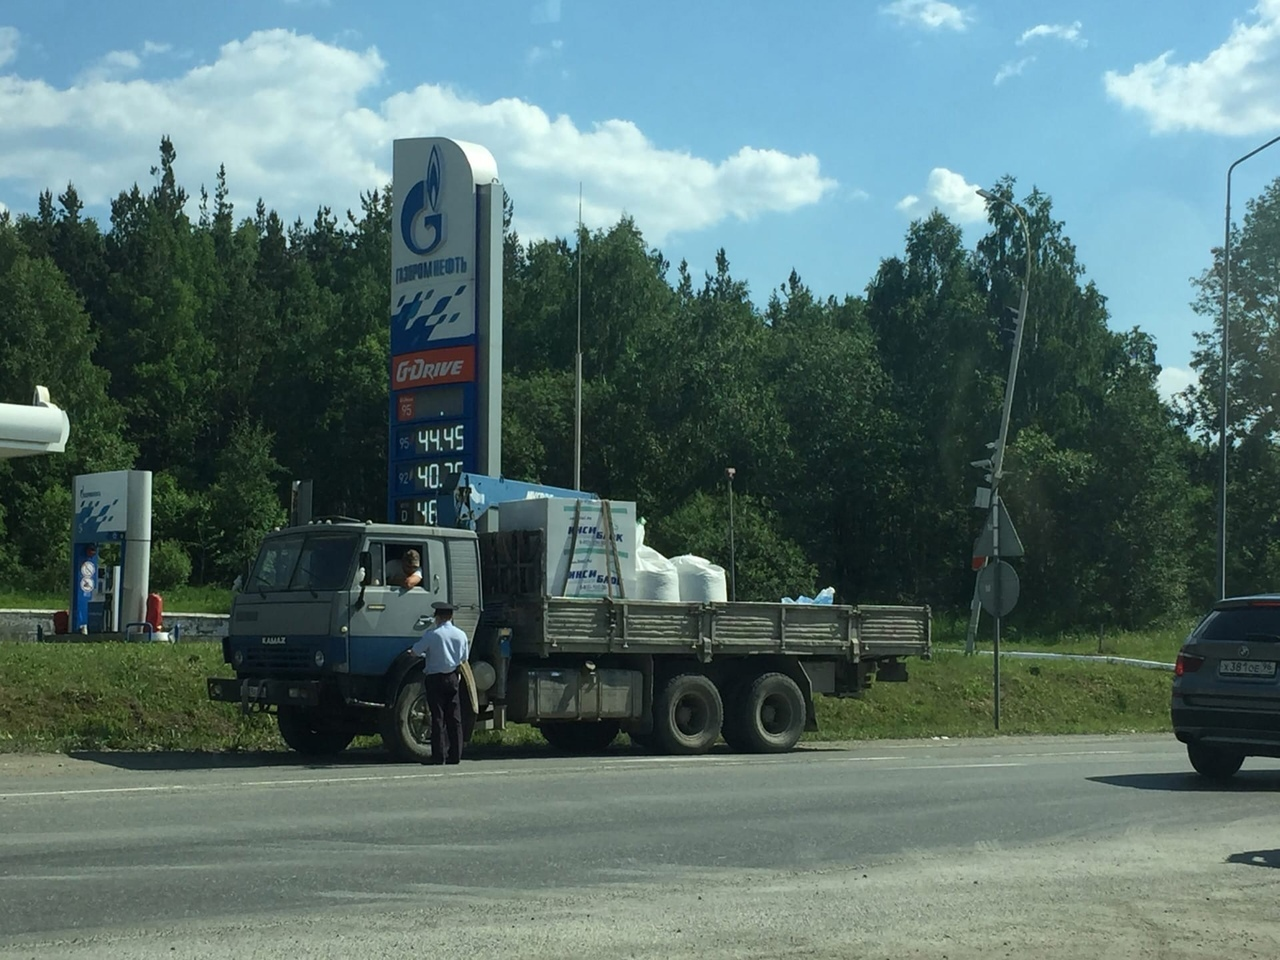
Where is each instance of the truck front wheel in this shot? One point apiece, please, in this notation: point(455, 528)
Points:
point(406, 727)
point(687, 715)
point(301, 731)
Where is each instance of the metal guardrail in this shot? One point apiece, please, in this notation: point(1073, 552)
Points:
point(1086, 657)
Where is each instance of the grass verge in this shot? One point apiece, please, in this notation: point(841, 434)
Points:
point(67, 697)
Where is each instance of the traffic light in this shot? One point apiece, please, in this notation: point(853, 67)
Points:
point(1008, 331)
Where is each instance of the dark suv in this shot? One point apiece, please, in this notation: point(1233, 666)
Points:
point(1226, 694)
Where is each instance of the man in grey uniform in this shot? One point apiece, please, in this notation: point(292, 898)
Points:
point(444, 648)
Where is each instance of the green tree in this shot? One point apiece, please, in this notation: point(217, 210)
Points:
point(46, 339)
point(244, 500)
point(769, 564)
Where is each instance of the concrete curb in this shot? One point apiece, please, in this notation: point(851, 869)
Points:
point(22, 624)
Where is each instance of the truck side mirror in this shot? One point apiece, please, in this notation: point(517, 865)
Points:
point(362, 576)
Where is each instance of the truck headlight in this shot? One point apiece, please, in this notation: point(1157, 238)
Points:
point(319, 658)
point(237, 658)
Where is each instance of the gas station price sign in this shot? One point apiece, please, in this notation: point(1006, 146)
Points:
point(427, 477)
point(434, 428)
point(425, 439)
point(445, 314)
point(431, 403)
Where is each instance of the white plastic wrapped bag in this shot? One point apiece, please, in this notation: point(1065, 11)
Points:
point(701, 581)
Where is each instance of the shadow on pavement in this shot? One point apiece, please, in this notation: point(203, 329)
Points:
point(359, 757)
point(1189, 782)
point(1257, 858)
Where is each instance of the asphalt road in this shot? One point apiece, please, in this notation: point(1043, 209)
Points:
point(1063, 847)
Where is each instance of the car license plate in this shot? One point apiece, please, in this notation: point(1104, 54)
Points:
point(1247, 668)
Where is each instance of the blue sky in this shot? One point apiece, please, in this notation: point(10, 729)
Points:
point(792, 134)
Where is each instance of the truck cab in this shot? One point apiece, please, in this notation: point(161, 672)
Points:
point(321, 629)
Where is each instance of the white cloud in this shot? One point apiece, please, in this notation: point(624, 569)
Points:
point(1067, 32)
point(857, 193)
point(123, 59)
point(1013, 68)
point(931, 14)
point(955, 196)
point(150, 47)
point(1173, 380)
point(545, 11)
point(537, 54)
point(297, 123)
point(9, 37)
point(951, 194)
point(1234, 90)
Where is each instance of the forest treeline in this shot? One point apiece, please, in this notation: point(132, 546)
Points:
point(231, 353)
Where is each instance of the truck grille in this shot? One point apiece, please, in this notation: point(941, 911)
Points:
point(277, 658)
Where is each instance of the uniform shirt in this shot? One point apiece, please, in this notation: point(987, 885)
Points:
point(445, 648)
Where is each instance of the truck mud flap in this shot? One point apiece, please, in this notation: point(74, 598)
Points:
point(251, 692)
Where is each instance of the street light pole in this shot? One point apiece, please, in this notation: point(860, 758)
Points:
point(997, 461)
point(577, 366)
point(1226, 344)
point(733, 561)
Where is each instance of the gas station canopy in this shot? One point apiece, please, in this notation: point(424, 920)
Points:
point(39, 428)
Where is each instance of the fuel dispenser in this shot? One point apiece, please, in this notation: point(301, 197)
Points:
point(104, 605)
point(110, 509)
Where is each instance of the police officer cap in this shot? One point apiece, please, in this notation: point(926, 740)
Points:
point(443, 606)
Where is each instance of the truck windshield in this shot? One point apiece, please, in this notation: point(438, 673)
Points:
point(311, 561)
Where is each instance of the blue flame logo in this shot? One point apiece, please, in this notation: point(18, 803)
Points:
point(433, 180)
point(421, 222)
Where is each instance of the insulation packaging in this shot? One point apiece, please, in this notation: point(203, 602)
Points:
point(584, 564)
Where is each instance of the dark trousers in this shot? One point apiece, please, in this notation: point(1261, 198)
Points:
point(446, 717)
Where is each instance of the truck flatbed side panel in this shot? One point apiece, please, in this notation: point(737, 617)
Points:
point(885, 631)
point(783, 628)
point(593, 626)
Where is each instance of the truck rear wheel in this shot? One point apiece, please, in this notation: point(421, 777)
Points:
point(768, 715)
point(687, 715)
point(580, 737)
point(300, 731)
point(406, 727)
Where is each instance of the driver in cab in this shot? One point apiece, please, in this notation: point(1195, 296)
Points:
point(410, 574)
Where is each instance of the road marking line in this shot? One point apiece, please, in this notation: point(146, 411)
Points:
point(603, 764)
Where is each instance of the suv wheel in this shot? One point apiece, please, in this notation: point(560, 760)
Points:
point(1215, 763)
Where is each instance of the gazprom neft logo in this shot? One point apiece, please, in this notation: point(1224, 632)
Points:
point(421, 221)
point(426, 269)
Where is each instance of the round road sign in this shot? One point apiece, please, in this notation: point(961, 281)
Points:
point(998, 588)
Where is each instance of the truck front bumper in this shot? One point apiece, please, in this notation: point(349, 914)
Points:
point(252, 691)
